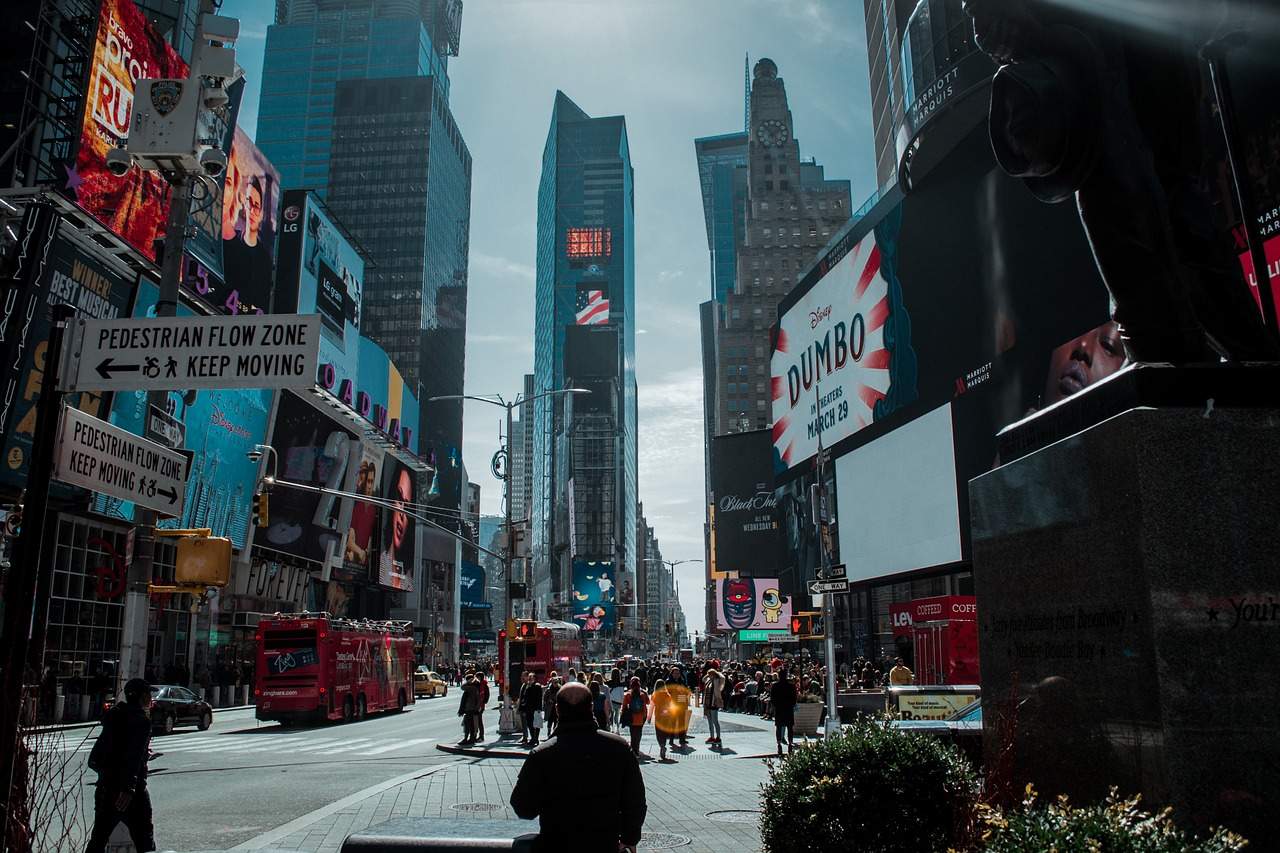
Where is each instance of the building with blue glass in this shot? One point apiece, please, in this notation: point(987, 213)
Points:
point(722, 172)
point(584, 495)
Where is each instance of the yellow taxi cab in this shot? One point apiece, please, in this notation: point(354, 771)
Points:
point(427, 683)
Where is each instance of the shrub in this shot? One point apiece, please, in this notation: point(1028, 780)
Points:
point(871, 788)
point(1115, 826)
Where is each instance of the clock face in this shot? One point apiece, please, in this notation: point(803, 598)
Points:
point(772, 133)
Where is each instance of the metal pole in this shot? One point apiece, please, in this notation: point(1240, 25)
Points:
point(133, 651)
point(506, 716)
point(31, 575)
point(828, 623)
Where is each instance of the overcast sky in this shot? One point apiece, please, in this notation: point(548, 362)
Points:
point(674, 68)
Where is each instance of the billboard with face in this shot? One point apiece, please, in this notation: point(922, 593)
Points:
point(743, 603)
point(250, 202)
point(594, 597)
point(363, 534)
point(316, 450)
point(396, 567)
point(126, 50)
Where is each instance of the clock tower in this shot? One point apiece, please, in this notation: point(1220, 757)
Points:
point(792, 211)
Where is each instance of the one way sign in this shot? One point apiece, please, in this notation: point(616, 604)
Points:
point(182, 353)
point(103, 458)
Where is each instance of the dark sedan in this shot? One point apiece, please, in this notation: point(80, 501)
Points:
point(173, 706)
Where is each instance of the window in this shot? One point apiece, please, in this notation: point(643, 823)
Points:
point(783, 185)
point(768, 168)
point(768, 185)
point(742, 370)
point(732, 388)
point(768, 232)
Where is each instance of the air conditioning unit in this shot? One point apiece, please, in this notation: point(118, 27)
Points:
point(245, 620)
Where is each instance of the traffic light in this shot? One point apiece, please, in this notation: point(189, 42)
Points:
point(797, 626)
point(260, 516)
point(526, 630)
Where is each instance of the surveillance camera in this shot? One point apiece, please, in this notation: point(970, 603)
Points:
point(119, 161)
point(213, 161)
point(254, 455)
point(216, 97)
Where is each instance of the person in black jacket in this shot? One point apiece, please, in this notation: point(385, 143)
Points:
point(120, 758)
point(531, 708)
point(582, 818)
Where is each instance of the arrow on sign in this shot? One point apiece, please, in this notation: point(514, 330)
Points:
point(106, 368)
point(171, 494)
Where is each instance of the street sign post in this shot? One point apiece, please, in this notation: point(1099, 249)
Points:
point(182, 353)
point(163, 426)
point(822, 587)
point(835, 573)
point(103, 458)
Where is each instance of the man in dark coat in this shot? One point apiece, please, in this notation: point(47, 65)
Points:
point(120, 758)
point(782, 700)
point(593, 818)
point(469, 708)
point(531, 704)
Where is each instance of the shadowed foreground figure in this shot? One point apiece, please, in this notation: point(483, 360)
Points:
point(583, 785)
point(1115, 113)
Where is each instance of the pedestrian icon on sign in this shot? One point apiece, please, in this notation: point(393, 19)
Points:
point(171, 368)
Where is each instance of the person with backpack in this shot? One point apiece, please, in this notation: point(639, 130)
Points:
point(119, 757)
point(635, 704)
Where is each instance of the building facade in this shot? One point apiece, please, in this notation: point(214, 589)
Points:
point(584, 447)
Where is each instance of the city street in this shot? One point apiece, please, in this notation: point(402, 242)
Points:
point(249, 786)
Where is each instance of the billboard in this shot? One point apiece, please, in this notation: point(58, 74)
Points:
point(127, 49)
point(250, 217)
point(752, 603)
point(749, 536)
point(924, 299)
point(219, 426)
point(396, 554)
point(69, 276)
point(594, 597)
point(363, 534)
point(471, 580)
point(316, 450)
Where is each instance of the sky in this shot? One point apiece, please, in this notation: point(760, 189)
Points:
point(674, 69)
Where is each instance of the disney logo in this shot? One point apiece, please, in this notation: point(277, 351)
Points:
point(816, 317)
point(761, 500)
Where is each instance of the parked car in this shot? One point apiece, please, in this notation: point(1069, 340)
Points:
point(427, 683)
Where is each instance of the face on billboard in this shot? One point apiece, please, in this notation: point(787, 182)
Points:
point(127, 49)
point(743, 603)
point(250, 200)
point(396, 559)
point(1084, 360)
point(362, 537)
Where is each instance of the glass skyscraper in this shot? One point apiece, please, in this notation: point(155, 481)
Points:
point(584, 446)
point(722, 172)
point(355, 105)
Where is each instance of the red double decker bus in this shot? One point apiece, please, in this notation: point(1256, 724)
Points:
point(315, 667)
point(540, 648)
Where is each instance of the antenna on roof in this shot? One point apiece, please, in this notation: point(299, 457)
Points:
point(746, 92)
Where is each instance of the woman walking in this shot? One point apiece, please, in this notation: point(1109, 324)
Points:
point(664, 722)
point(616, 691)
point(600, 707)
point(549, 702)
point(635, 704)
point(712, 703)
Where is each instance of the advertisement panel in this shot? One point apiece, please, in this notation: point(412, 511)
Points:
point(594, 597)
point(204, 241)
point(220, 426)
point(383, 398)
point(363, 534)
point(752, 603)
point(926, 299)
point(396, 566)
point(250, 214)
point(471, 580)
point(127, 49)
point(316, 450)
point(749, 533)
point(69, 276)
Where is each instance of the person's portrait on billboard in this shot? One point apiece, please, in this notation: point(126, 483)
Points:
point(395, 563)
point(250, 194)
point(364, 515)
point(1082, 361)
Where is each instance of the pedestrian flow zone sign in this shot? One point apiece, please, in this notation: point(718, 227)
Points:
point(101, 457)
point(182, 353)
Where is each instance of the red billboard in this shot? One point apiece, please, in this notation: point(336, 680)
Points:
point(127, 49)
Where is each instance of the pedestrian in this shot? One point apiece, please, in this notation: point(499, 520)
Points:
point(635, 703)
point(484, 702)
point(531, 708)
point(682, 699)
point(900, 675)
point(549, 702)
point(591, 818)
point(712, 703)
point(782, 702)
point(600, 706)
point(119, 757)
point(522, 708)
point(664, 722)
point(469, 711)
point(616, 690)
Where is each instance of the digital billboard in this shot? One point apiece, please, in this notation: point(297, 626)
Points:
point(749, 537)
point(967, 279)
point(219, 426)
point(70, 276)
point(250, 216)
point(127, 49)
point(314, 449)
point(594, 597)
point(583, 243)
point(396, 551)
point(362, 534)
point(752, 603)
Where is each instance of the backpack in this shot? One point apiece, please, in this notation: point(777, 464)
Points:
point(636, 706)
point(598, 702)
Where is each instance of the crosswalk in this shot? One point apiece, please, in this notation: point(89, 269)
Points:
point(251, 743)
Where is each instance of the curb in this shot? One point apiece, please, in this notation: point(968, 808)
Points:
point(482, 752)
point(91, 723)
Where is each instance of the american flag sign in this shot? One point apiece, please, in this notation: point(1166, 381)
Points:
point(592, 308)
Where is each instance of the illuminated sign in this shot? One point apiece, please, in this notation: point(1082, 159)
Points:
point(588, 242)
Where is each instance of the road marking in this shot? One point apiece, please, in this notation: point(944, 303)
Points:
point(362, 743)
point(402, 745)
point(327, 743)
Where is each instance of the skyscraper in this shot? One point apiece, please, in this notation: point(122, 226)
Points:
point(355, 104)
point(886, 20)
point(584, 446)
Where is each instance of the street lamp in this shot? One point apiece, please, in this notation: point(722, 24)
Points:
point(506, 715)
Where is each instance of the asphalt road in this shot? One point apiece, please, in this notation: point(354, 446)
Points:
point(215, 789)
